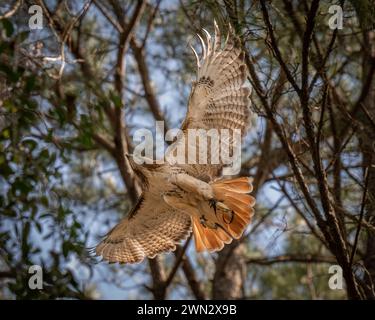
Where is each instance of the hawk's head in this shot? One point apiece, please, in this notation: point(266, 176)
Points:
point(143, 167)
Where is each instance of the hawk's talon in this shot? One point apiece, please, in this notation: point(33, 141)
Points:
point(203, 220)
point(212, 203)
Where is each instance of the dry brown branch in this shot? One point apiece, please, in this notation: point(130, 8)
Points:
point(12, 11)
point(291, 258)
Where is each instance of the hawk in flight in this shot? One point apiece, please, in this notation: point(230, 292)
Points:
point(178, 199)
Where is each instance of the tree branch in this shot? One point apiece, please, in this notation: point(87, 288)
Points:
point(308, 258)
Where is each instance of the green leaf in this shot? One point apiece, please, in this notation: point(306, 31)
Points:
point(77, 225)
point(66, 248)
point(25, 236)
point(30, 84)
point(22, 185)
point(116, 99)
point(45, 215)
point(3, 46)
point(31, 144)
point(6, 133)
point(22, 36)
point(38, 227)
point(44, 201)
point(85, 140)
point(44, 154)
point(8, 26)
point(11, 75)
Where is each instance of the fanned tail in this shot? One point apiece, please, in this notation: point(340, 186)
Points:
point(234, 210)
point(234, 193)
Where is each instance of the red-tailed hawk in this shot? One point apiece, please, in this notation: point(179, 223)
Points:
point(180, 198)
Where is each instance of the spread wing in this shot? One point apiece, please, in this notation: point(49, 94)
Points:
point(150, 228)
point(218, 99)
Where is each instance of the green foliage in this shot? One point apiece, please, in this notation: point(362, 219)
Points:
point(33, 217)
point(365, 10)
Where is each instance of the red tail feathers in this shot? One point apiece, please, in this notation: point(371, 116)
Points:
point(234, 212)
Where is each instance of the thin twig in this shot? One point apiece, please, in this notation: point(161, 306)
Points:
point(12, 11)
point(360, 217)
point(179, 258)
